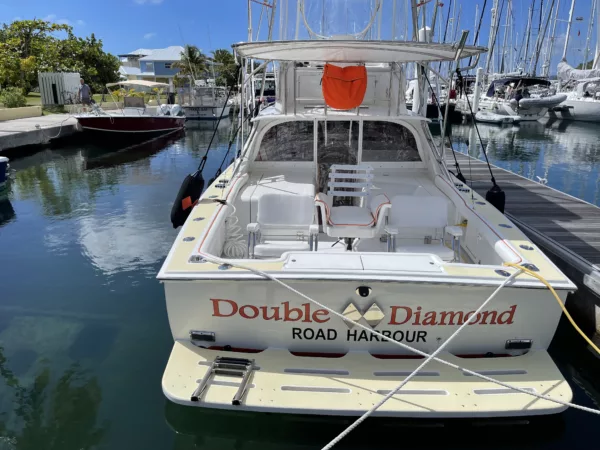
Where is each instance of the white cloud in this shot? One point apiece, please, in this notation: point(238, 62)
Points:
point(16, 19)
point(52, 18)
point(149, 35)
point(144, 2)
point(114, 245)
point(80, 23)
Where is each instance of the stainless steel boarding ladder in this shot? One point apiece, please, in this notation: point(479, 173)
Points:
point(232, 367)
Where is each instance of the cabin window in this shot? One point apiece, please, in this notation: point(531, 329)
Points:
point(289, 141)
point(168, 65)
point(388, 142)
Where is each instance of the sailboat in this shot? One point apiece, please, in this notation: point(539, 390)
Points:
point(338, 250)
point(511, 97)
point(582, 86)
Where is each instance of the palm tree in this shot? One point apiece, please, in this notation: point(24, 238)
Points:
point(192, 63)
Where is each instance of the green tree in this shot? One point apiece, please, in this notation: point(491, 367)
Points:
point(28, 47)
point(192, 64)
point(587, 65)
point(227, 68)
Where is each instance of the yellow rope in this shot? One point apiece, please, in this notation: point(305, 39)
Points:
point(543, 280)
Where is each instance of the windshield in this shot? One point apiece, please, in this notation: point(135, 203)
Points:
point(337, 142)
point(269, 86)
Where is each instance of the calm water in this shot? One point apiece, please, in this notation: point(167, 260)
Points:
point(84, 336)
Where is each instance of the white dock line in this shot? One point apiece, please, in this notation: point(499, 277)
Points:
point(393, 392)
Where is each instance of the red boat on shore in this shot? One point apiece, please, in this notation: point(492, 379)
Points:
point(134, 118)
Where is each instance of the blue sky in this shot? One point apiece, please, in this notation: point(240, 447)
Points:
point(125, 25)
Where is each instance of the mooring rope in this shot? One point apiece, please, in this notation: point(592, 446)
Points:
point(378, 405)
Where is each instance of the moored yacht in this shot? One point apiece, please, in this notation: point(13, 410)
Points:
point(207, 103)
point(513, 99)
point(582, 90)
point(338, 249)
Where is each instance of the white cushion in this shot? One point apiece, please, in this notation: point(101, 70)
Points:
point(285, 210)
point(274, 249)
point(445, 253)
point(419, 212)
point(351, 216)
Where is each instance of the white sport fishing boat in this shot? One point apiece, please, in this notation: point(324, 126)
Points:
point(335, 224)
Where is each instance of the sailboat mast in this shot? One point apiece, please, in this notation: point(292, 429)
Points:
point(475, 37)
point(597, 56)
point(506, 25)
point(492, 36)
point(542, 37)
point(297, 32)
point(589, 35)
point(567, 37)
point(550, 50)
point(394, 20)
point(529, 25)
point(379, 23)
point(453, 21)
point(249, 20)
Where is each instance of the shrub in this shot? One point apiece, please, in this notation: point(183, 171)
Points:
point(12, 97)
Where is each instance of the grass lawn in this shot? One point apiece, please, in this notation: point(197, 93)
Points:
point(34, 99)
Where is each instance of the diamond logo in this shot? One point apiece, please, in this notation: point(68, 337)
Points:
point(372, 316)
point(352, 313)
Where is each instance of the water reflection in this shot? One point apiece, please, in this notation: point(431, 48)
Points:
point(7, 213)
point(564, 155)
point(50, 414)
point(132, 153)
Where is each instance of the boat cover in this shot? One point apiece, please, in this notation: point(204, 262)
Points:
point(567, 72)
point(344, 87)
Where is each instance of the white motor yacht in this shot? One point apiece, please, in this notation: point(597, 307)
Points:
point(207, 103)
point(337, 251)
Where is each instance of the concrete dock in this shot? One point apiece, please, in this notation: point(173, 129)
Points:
point(566, 228)
point(35, 130)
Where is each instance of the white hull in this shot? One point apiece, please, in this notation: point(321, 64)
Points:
point(584, 110)
point(337, 251)
point(488, 117)
point(205, 112)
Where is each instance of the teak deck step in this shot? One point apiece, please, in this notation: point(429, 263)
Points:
point(282, 382)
